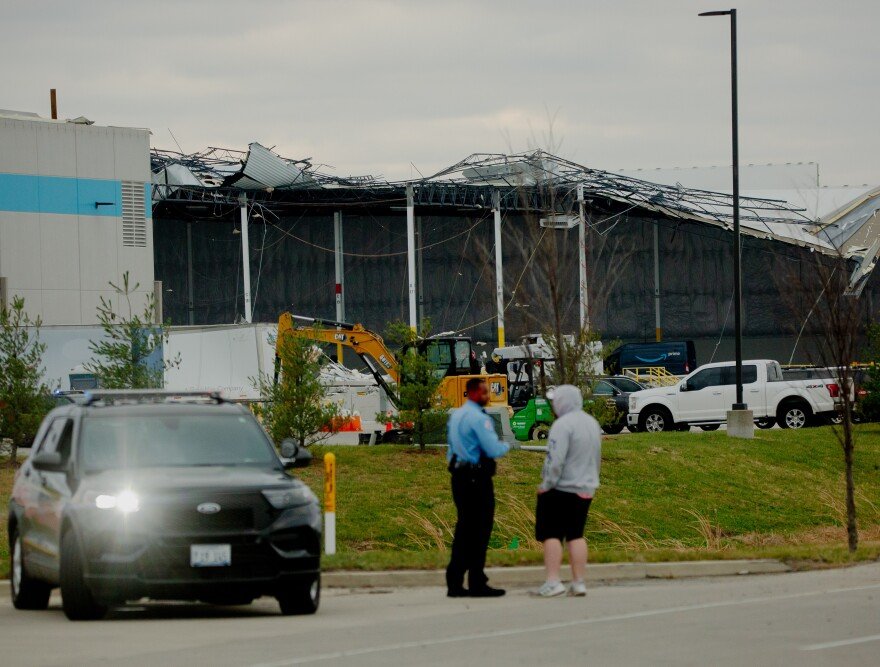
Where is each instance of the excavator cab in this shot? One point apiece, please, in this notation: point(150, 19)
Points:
point(450, 356)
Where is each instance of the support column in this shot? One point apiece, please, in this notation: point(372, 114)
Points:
point(658, 330)
point(499, 268)
point(191, 303)
point(420, 271)
point(582, 261)
point(340, 276)
point(245, 259)
point(411, 257)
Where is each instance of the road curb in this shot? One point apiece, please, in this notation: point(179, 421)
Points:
point(533, 575)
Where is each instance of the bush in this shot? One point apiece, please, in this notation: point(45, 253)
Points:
point(296, 404)
point(22, 393)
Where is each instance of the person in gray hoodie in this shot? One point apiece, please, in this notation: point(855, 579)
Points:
point(570, 477)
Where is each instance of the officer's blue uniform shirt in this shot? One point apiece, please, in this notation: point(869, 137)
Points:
point(470, 433)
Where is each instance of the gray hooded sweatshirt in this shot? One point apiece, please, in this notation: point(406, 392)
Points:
point(574, 446)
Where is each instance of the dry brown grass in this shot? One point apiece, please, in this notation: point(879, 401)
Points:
point(428, 532)
point(517, 520)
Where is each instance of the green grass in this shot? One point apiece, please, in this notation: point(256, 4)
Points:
point(672, 496)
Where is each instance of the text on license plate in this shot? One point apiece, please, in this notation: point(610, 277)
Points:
point(210, 555)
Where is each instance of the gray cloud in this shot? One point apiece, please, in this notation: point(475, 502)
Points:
point(373, 86)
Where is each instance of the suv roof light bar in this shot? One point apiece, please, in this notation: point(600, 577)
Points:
point(146, 395)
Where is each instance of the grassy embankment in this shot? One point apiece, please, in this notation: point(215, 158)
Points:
point(673, 496)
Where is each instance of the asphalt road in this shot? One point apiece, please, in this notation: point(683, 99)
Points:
point(815, 618)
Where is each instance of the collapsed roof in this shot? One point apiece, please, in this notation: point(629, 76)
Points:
point(535, 180)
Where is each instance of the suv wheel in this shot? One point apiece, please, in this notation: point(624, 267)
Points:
point(539, 432)
point(710, 427)
point(765, 422)
point(613, 429)
point(794, 415)
point(78, 602)
point(654, 420)
point(27, 593)
point(302, 597)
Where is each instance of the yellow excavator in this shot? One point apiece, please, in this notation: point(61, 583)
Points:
point(452, 356)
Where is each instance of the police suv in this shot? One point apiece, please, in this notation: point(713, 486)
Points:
point(128, 495)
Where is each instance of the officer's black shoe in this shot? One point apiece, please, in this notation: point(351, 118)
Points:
point(457, 593)
point(486, 592)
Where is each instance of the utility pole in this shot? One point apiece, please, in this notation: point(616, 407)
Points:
point(658, 330)
point(499, 267)
point(582, 260)
point(411, 257)
point(245, 258)
point(340, 276)
point(744, 420)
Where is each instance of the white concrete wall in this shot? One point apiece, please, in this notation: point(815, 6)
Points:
point(62, 259)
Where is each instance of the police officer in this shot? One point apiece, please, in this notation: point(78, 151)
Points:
point(473, 448)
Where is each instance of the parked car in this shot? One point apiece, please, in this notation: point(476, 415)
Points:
point(617, 389)
point(704, 397)
point(677, 357)
point(137, 495)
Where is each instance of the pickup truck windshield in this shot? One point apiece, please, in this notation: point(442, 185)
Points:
point(115, 442)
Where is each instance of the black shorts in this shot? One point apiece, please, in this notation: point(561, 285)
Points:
point(561, 515)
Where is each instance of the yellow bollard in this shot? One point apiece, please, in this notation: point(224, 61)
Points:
point(329, 504)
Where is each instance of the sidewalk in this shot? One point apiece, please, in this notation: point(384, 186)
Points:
point(534, 575)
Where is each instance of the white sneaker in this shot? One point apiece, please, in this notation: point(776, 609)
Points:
point(550, 590)
point(578, 589)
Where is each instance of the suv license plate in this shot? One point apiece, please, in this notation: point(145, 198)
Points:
point(210, 555)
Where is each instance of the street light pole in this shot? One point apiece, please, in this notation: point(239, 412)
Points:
point(737, 268)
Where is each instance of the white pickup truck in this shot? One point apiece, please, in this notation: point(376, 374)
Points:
point(704, 397)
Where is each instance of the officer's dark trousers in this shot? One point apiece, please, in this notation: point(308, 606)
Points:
point(474, 496)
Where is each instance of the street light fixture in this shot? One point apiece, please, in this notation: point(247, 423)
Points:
point(737, 268)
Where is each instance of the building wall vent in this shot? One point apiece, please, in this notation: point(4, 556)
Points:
point(134, 215)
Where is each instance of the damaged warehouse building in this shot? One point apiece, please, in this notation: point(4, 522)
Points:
point(640, 260)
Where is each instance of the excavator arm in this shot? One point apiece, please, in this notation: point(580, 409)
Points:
point(367, 345)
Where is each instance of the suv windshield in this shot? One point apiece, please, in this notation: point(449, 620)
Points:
point(113, 442)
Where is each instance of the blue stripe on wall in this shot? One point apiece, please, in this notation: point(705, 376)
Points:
point(24, 193)
point(148, 199)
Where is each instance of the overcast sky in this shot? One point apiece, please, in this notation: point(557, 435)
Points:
point(370, 87)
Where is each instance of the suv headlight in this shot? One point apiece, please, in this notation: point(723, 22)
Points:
point(125, 501)
point(295, 496)
point(632, 403)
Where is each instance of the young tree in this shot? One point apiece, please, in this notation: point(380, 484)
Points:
point(296, 404)
point(835, 317)
point(121, 357)
point(22, 392)
point(420, 406)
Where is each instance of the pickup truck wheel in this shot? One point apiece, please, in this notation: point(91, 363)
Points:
point(767, 422)
point(710, 427)
point(27, 593)
point(655, 420)
point(539, 432)
point(613, 429)
point(794, 415)
point(76, 598)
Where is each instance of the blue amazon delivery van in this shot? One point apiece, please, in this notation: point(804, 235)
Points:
point(677, 357)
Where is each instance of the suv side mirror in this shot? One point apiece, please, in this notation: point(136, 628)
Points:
point(295, 456)
point(49, 462)
point(685, 386)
